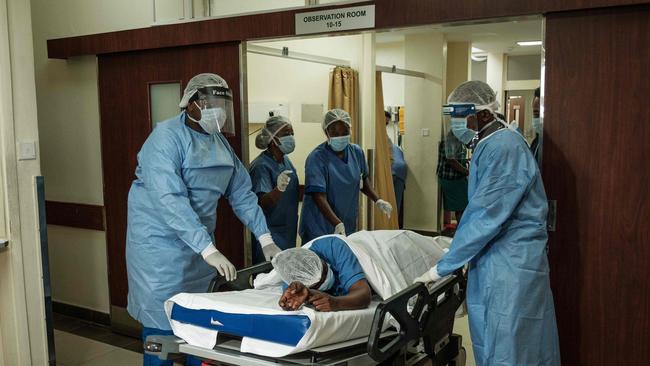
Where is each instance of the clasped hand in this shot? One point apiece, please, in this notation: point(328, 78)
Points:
point(297, 294)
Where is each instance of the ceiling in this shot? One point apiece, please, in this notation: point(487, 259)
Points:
point(501, 37)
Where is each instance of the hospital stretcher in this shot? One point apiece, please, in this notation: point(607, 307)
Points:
point(428, 319)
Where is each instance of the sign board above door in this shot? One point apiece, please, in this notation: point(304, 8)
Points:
point(334, 20)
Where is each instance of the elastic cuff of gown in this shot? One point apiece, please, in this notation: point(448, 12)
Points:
point(210, 249)
point(265, 239)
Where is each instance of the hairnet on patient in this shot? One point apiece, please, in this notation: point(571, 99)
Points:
point(298, 265)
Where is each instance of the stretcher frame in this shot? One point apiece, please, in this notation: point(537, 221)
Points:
point(430, 321)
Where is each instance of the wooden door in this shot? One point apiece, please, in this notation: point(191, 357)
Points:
point(124, 85)
point(597, 166)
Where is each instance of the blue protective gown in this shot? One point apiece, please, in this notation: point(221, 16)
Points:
point(341, 180)
point(282, 218)
point(398, 169)
point(502, 235)
point(172, 212)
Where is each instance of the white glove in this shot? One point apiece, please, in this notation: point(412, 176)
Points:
point(384, 207)
point(339, 229)
point(269, 248)
point(222, 264)
point(283, 180)
point(429, 276)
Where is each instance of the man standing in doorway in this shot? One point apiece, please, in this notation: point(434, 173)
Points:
point(452, 178)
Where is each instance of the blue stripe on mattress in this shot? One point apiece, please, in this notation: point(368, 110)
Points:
point(283, 329)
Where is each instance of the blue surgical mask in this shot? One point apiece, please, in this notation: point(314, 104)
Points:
point(461, 131)
point(287, 144)
point(338, 144)
point(329, 280)
point(537, 124)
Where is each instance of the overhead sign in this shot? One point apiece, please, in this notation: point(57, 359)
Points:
point(334, 20)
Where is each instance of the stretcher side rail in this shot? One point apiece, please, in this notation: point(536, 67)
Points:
point(432, 319)
point(244, 279)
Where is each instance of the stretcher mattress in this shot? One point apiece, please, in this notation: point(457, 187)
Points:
point(391, 260)
point(265, 328)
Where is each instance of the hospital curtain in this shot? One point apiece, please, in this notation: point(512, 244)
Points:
point(383, 178)
point(344, 94)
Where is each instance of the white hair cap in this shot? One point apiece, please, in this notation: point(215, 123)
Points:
point(334, 115)
point(271, 128)
point(475, 92)
point(298, 265)
point(200, 81)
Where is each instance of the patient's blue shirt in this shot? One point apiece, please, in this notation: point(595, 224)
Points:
point(344, 264)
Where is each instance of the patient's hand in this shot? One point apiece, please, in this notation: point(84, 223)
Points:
point(294, 296)
point(323, 302)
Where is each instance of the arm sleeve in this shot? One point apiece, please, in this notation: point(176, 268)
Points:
point(161, 161)
point(315, 174)
point(262, 179)
point(347, 265)
point(244, 202)
point(502, 184)
point(363, 165)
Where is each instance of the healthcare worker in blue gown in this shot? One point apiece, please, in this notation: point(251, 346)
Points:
point(335, 172)
point(276, 184)
point(502, 235)
point(184, 167)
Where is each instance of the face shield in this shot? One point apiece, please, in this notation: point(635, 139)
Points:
point(455, 120)
point(215, 103)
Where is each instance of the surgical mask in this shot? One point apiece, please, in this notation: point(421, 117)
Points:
point(329, 280)
point(338, 144)
point(461, 131)
point(537, 124)
point(287, 144)
point(212, 119)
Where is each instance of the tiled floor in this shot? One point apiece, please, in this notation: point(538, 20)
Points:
point(95, 332)
point(81, 343)
point(73, 350)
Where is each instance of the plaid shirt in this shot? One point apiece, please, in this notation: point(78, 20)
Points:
point(453, 149)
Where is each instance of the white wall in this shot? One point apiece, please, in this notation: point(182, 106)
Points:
point(423, 102)
point(68, 111)
point(389, 54)
point(495, 76)
point(228, 7)
point(23, 339)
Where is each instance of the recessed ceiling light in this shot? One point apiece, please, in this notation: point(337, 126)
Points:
point(530, 43)
point(477, 50)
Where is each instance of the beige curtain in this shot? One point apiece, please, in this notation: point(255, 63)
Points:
point(383, 178)
point(344, 94)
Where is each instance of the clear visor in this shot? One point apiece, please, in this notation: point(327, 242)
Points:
point(219, 98)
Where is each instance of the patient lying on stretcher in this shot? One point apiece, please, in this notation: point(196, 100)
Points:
point(327, 277)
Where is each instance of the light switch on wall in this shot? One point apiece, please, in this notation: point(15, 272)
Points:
point(425, 132)
point(26, 150)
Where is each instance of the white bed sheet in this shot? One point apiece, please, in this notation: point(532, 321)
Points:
point(326, 328)
point(391, 260)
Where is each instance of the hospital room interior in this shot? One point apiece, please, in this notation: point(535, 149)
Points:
point(468, 184)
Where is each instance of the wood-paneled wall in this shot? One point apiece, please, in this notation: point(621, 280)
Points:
point(597, 166)
point(389, 14)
